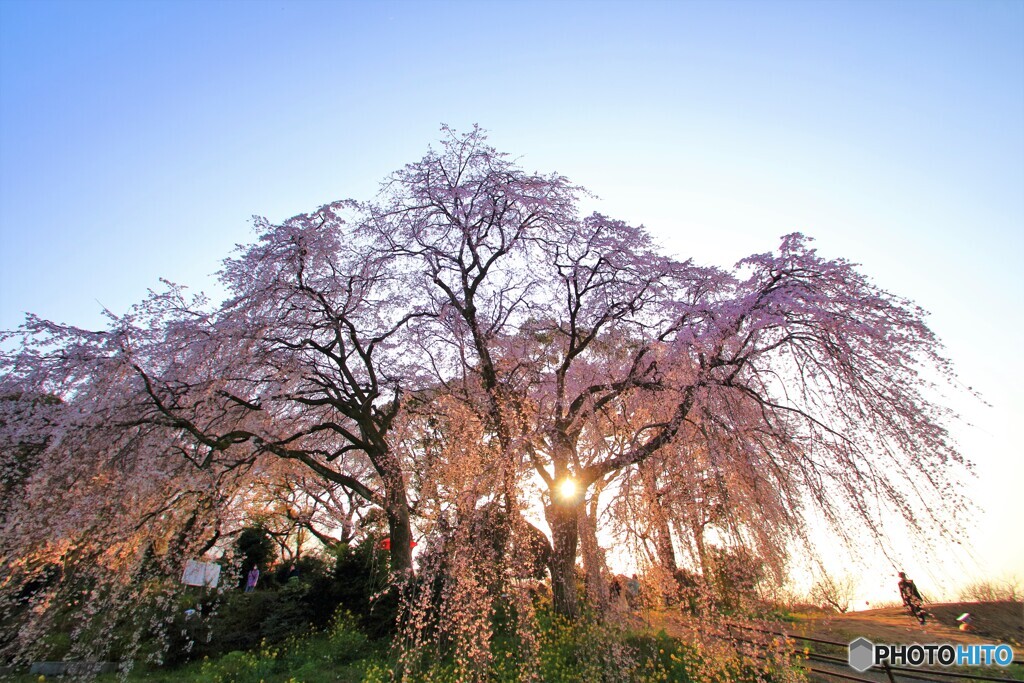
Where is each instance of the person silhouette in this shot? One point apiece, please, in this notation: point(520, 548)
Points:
point(912, 597)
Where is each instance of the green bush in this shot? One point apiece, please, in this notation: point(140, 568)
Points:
point(346, 642)
point(343, 653)
point(55, 646)
point(240, 667)
point(568, 652)
point(203, 623)
point(585, 650)
point(360, 585)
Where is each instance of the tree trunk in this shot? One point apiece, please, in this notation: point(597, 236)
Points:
point(663, 540)
point(661, 532)
point(347, 531)
point(702, 553)
point(593, 557)
point(400, 531)
point(562, 517)
point(396, 505)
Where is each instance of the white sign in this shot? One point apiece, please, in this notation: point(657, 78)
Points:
point(201, 574)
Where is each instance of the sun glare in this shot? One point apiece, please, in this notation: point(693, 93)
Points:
point(567, 488)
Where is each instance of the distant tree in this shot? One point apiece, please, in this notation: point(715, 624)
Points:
point(836, 592)
point(1007, 588)
point(256, 548)
point(297, 508)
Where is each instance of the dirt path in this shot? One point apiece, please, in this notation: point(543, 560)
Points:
point(993, 623)
point(997, 622)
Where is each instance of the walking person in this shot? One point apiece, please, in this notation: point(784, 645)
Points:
point(912, 598)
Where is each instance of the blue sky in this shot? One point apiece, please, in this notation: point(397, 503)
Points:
point(137, 139)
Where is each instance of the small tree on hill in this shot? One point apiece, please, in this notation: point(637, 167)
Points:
point(256, 548)
point(836, 592)
point(1007, 588)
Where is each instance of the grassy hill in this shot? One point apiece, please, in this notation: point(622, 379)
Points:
point(993, 622)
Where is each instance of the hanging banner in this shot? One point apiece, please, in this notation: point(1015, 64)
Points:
point(201, 574)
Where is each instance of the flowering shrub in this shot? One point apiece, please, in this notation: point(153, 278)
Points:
point(342, 653)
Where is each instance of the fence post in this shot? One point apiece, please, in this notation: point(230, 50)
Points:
point(888, 672)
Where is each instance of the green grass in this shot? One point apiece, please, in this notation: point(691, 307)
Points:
point(584, 651)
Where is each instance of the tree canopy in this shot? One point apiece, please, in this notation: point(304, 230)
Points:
point(452, 353)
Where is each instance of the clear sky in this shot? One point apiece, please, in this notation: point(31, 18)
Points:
point(137, 139)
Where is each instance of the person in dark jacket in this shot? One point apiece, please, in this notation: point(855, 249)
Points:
point(912, 598)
